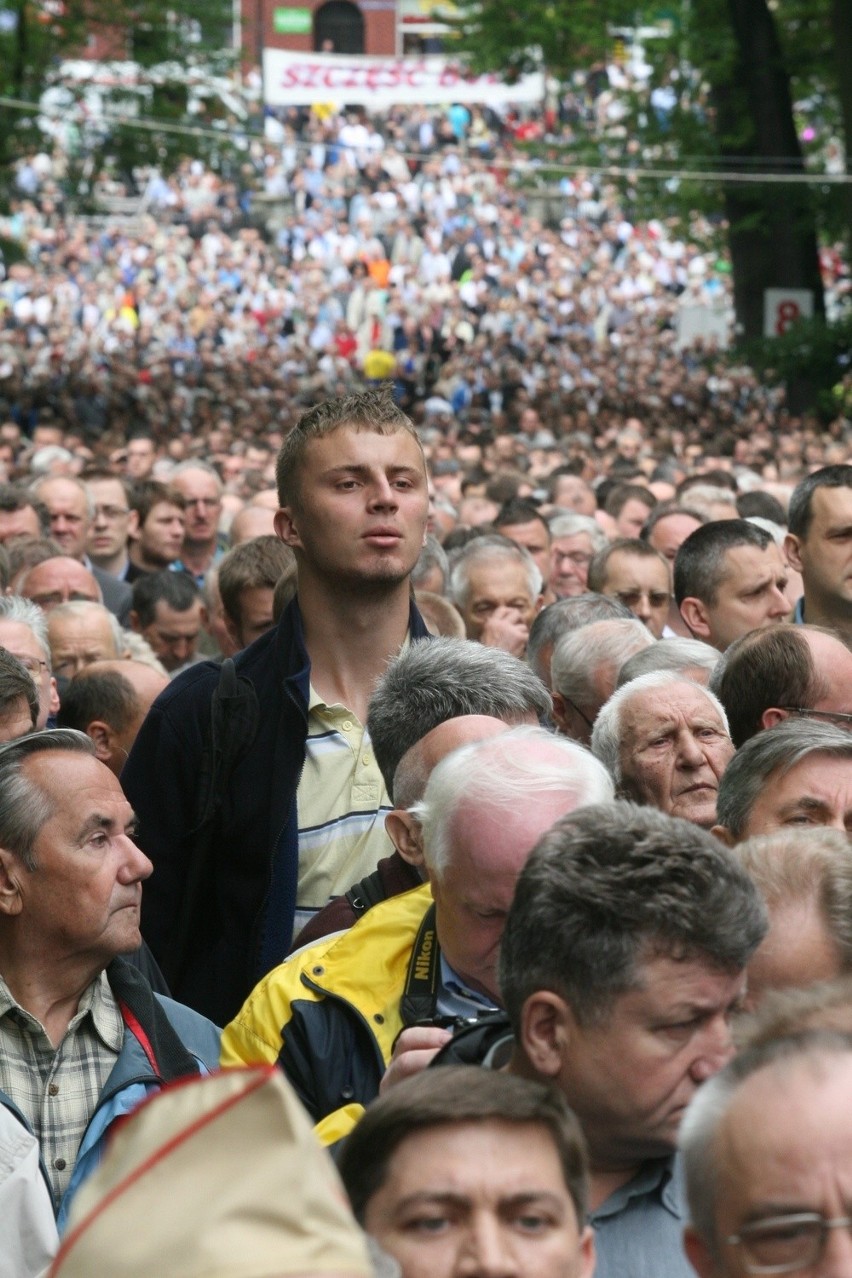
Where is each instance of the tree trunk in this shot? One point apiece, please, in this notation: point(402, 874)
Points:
point(841, 31)
point(772, 228)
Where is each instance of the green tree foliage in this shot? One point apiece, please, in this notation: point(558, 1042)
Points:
point(154, 34)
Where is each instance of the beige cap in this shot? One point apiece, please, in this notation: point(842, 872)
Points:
point(215, 1177)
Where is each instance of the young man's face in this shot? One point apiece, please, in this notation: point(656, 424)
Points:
point(360, 516)
point(161, 536)
point(479, 1198)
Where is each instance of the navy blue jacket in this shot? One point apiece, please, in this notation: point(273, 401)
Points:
point(244, 927)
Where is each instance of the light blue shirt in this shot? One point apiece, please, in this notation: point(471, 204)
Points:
point(639, 1229)
point(455, 999)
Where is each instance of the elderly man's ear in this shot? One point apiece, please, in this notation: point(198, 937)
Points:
point(11, 901)
point(406, 836)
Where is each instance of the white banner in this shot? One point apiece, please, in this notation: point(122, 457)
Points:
point(299, 79)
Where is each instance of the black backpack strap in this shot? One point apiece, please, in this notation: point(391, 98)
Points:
point(234, 715)
point(362, 896)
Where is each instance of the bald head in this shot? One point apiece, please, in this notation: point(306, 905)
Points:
point(145, 681)
point(250, 522)
point(108, 700)
point(59, 580)
point(415, 768)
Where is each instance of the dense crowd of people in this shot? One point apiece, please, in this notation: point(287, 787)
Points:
point(486, 764)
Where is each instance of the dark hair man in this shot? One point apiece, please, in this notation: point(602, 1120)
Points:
point(353, 493)
point(781, 672)
point(523, 523)
point(505, 1152)
point(819, 546)
point(623, 959)
point(156, 527)
point(83, 1039)
point(169, 613)
point(247, 578)
point(629, 505)
point(729, 578)
point(108, 700)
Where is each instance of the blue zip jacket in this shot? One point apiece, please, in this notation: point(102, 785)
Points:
point(163, 1041)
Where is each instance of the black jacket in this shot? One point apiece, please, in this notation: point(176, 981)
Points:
point(243, 917)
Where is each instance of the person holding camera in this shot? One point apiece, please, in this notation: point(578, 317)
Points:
point(362, 1009)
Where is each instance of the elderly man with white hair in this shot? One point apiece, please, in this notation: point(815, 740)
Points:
point(340, 1013)
point(665, 741)
point(584, 668)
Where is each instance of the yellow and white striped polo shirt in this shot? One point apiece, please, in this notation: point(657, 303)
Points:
point(342, 803)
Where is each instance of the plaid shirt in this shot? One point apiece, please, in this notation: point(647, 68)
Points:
point(57, 1088)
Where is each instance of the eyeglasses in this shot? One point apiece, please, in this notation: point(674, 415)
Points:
point(785, 1244)
point(632, 598)
point(576, 557)
point(110, 512)
point(31, 663)
point(573, 704)
point(839, 717)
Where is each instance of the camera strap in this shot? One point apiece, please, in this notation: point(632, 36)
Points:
point(420, 996)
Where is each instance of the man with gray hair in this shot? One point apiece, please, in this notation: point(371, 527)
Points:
point(766, 1153)
point(665, 741)
point(83, 1038)
point(81, 633)
point(563, 616)
point(430, 682)
point(689, 658)
point(623, 960)
point(574, 541)
point(442, 681)
point(23, 632)
point(332, 1013)
point(806, 881)
point(584, 669)
point(495, 585)
point(71, 510)
point(795, 774)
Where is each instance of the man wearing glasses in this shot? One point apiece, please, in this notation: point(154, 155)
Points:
point(106, 541)
point(767, 1147)
point(201, 489)
point(784, 672)
point(23, 632)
